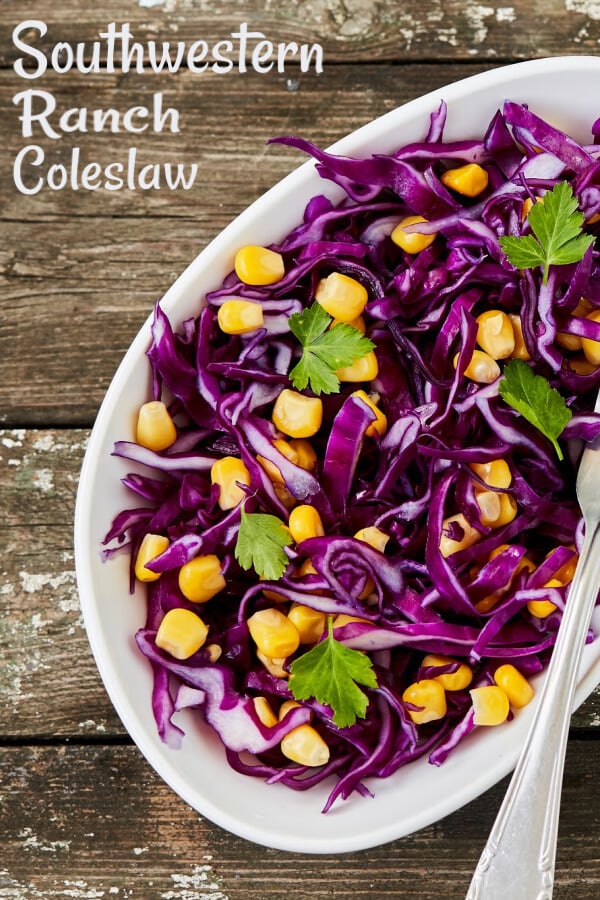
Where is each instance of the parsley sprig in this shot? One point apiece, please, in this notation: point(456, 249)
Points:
point(535, 399)
point(557, 237)
point(331, 674)
point(260, 544)
point(324, 349)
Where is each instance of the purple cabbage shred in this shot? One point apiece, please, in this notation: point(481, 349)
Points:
point(420, 483)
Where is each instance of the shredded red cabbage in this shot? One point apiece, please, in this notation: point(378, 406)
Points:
point(410, 483)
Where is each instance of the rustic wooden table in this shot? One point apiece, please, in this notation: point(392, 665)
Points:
point(81, 813)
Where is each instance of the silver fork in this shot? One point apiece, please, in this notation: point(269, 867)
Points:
point(519, 857)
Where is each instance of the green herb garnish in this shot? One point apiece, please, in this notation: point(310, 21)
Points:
point(324, 349)
point(557, 237)
point(331, 672)
point(535, 399)
point(260, 542)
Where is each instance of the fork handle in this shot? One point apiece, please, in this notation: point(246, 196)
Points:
point(518, 859)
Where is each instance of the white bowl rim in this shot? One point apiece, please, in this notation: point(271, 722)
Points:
point(164, 764)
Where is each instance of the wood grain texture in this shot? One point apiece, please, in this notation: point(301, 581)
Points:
point(357, 31)
point(49, 684)
point(75, 265)
point(88, 821)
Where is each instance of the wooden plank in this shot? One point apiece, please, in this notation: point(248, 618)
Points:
point(96, 822)
point(49, 683)
point(42, 691)
point(358, 31)
point(67, 333)
point(217, 130)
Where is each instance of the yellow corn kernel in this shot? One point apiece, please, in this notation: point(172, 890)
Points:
point(486, 603)
point(368, 589)
point(274, 666)
point(309, 622)
point(201, 578)
point(342, 297)
point(566, 573)
point(304, 745)
point(379, 426)
point(275, 596)
point(258, 265)
point(297, 415)
point(489, 506)
point(591, 348)
point(284, 495)
point(214, 652)
point(181, 633)
point(229, 472)
point(152, 546)
point(373, 536)
point(364, 369)
point(412, 241)
point(481, 368)
point(286, 706)
point(571, 342)
point(490, 705)
point(508, 510)
point(496, 473)
point(497, 508)
point(450, 681)
point(524, 562)
point(495, 334)
point(305, 452)
point(240, 316)
point(470, 536)
point(344, 619)
point(514, 684)
point(469, 180)
point(581, 365)
point(428, 694)
point(520, 351)
point(526, 208)
point(307, 568)
point(498, 550)
point(155, 427)
point(541, 609)
point(358, 323)
point(270, 468)
point(305, 522)
point(273, 633)
point(264, 711)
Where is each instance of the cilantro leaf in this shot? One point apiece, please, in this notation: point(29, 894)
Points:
point(312, 369)
point(324, 349)
point(331, 672)
point(535, 399)
point(260, 542)
point(557, 237)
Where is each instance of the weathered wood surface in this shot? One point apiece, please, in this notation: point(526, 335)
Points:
point(81, 813)
point(96, 822)
point(74, 266)
point(357, 31)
